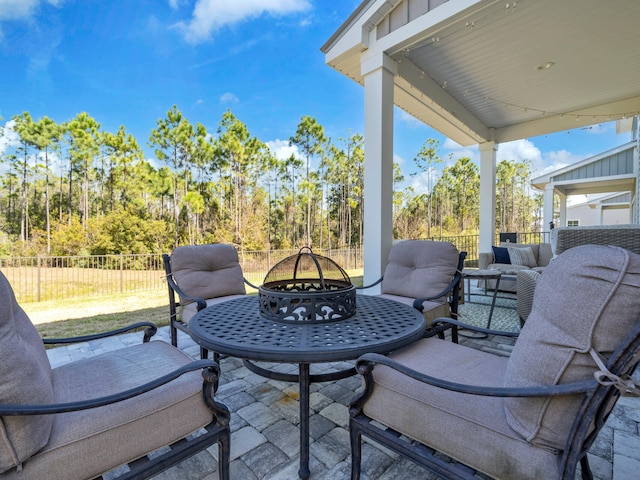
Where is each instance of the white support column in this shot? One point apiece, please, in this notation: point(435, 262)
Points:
point(378, 72)
point(487, 195)
point(599, 214)
point(547, 208)
point(562, 216)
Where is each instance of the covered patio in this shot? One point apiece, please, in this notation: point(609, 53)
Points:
point(264, 418)
point(482, 72)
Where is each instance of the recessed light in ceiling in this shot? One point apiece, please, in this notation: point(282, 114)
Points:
point(545, 66)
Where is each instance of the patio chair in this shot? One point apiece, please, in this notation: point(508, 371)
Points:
point(82, 419)
point(425, 274)
point(199, 276)
point(531, 416)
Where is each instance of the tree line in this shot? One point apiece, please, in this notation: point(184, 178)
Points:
point(72, 188)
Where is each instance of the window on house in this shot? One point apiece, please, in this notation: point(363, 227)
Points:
point(573, 223)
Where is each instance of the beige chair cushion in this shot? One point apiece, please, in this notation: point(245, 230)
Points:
point(207, 271)
point(420, 268)
point(588, 297)
point(109, 436)
point(25, 377)
point(470, 428)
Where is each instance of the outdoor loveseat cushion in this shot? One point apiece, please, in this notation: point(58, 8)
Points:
point(586, 299)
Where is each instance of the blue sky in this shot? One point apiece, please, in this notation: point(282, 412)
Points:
point(126, 62)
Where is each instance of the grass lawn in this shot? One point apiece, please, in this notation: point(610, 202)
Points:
point(84, 316)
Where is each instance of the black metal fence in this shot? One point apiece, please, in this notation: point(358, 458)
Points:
point(42, 278)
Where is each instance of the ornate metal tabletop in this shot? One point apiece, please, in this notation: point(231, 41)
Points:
point(236, 328)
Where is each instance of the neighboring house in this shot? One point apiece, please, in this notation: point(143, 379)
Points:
point(612, 209)
point(615, 173)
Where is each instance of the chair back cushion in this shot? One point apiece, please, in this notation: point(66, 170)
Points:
point(588, 297)
point(208, 271)
point(420, 268)
point(25, 378)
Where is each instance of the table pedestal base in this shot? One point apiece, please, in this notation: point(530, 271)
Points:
point(304, 379)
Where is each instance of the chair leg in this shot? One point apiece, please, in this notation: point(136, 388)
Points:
point(173, 332)
point(585, 468)
point(204, 354)
point(356, 450)
point(224, 456)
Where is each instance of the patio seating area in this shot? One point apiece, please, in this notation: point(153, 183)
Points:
point(265, 416)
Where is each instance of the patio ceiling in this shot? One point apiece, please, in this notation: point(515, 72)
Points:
point(500, 70)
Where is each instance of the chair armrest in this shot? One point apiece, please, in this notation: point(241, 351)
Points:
point(484, 260)
point(448, 321)
point(150, 331)
point(417, 303)
point(369, 286)
point(366, 363)
point(201, 302)
point(211, 374)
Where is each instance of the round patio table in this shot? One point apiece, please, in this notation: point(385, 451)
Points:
point(237, 329)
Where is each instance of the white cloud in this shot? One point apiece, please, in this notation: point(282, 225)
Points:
point(211, 15)
point(420, 181)
point(17, 9)
point(553, 161)
point(9, 138)
point(229, 98)
point(518, 151)
point(451, 152)
point(282, 150)
point(22, 9)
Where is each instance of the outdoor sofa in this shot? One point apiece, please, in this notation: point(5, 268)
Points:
point(510, 258)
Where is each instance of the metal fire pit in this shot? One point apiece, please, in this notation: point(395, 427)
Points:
point(307, 287)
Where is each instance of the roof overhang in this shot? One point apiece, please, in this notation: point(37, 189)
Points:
point(579, 178)
point(490, 70)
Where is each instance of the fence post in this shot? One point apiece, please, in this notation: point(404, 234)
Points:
point(38, 277)
point(121, 274)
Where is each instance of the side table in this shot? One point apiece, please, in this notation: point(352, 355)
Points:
point(474, 274)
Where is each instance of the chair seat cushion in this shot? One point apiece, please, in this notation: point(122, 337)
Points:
point(588, 297)
point(87, 443)
point(472, 429)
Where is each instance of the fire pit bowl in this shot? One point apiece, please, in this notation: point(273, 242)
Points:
point(307, 287)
